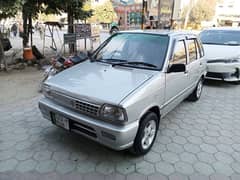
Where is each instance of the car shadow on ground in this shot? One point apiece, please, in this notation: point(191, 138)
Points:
point(80, 148)
point(219, 84)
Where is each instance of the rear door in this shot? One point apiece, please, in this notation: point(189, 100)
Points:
point(194, 61)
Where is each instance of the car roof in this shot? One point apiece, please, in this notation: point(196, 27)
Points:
point(225, 28)
point(162, 32)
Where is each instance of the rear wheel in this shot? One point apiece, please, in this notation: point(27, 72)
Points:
point(196, 94)
point(146, 134)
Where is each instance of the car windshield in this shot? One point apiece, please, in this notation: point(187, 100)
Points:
point(221, 37)
point(135, 50)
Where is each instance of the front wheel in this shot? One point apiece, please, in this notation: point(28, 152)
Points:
point(146, 134)
point(196, 94)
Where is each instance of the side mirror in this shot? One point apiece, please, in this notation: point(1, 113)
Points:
point(83, 55)
point(89, 53)
point(177, 68)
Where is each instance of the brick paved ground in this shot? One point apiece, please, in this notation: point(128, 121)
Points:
point(196, 141)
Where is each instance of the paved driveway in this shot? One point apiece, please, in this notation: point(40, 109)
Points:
point(196, 141)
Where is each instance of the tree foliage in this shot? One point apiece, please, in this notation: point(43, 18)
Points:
point(74, 7)
point(8, 8)
point(104, 13)
point(202, 10)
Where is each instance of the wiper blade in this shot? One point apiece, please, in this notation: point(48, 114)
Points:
point(144, 64)
point(136, 63)
point(232, 44)
point(212, 43)
point(110, 61)
point(222, 44)
point(113, 60)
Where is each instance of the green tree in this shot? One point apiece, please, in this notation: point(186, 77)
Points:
point(73, 8)
point(199, 10)
point(8, 8)
point(30, 11)
point(203, 10)
point(104, 13)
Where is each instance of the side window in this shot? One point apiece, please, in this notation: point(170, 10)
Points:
point(179, 56)
point(199, 53)
point(192, 48)
point(200, 47)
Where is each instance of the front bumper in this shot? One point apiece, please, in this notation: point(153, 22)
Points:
point(223, 71)
point(113, 136)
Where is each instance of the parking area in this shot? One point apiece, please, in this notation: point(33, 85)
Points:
point(196, 141)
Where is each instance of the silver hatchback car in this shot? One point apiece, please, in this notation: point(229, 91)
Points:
point(119, 94)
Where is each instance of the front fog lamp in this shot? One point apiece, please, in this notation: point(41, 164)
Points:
point(110, 112)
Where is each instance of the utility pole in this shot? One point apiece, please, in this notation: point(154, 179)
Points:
point(159, 13)
point(143, 12)
point(173, 7)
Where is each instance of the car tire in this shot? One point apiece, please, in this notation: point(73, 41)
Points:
point(196, 94)
point(146, 134)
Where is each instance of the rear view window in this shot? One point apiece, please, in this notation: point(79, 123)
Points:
point(221, 37)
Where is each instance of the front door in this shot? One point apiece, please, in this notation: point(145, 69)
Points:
point(176, 82)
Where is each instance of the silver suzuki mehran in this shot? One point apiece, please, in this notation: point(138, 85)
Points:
point(118, 95)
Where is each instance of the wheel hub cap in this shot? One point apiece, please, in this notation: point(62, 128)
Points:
point(149, 134)
point(199, 89)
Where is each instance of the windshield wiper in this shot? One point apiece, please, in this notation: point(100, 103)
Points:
point(113, 60)
point(222, 44)
point(136, 63)
point(212, 43)
point(232, 44)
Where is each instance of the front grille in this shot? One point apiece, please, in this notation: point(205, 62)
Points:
point(215, 75)
point(223, 75)
point(78, 105)
point(87, 108)
point(82, 129)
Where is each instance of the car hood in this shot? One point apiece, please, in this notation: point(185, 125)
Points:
point(222, 52)
point(96, 81)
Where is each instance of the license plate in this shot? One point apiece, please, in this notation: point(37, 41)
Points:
point(61, 121)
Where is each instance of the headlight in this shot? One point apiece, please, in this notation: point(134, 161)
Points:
point(114, 113)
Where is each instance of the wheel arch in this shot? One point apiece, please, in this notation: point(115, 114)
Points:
point(155, 109)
